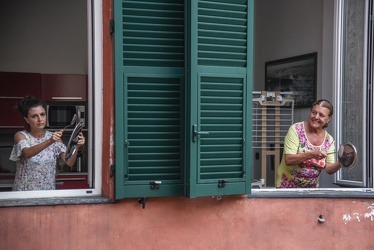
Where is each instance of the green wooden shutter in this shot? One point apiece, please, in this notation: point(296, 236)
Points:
point(156, 150)
point(149, 84)
point(220, 91)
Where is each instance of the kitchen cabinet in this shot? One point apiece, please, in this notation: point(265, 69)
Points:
point(72, 181)
point(64, 87)
point(13, 87)
point(48, 87)
point(65, 181)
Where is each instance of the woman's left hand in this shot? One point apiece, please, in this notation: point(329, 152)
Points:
point(80, 141)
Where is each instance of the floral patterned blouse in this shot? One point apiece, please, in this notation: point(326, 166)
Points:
point(39, 171)
point(306, 174)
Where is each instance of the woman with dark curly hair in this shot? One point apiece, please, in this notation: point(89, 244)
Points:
point(308, 149)
point(36, 150)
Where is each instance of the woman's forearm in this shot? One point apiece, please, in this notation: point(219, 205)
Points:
point(72, 159)
point(332, 167)
point(36, 149)
point(296, 159)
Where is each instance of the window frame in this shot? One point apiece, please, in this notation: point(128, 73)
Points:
point(339, 78)
point(95, 85)
point(356, 191)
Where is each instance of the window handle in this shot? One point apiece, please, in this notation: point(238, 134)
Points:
point(196, 132)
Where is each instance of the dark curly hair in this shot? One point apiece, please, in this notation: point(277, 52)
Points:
point(29, 102)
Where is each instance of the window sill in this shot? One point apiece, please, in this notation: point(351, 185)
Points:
point(256, 193)
point(312, 193)
point(54, 201)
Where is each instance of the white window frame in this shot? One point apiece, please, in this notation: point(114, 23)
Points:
point(95, 85)
point(356, 189)
point(338, 82)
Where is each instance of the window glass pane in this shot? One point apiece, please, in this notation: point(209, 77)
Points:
point(353, 99)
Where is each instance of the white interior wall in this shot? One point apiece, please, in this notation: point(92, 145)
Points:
point(287, 28)
point(44, 36)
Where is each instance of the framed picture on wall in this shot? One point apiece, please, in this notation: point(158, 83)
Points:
point(296, 74)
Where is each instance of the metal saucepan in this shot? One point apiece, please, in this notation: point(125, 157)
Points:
point(72, 144)
point(347, 155)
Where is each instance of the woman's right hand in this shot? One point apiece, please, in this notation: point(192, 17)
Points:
point(56, 136)
point(302, 157)
point(317, 154)
point(315, 159)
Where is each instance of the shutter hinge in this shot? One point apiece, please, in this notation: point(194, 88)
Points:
point(112, 170)
point(222, 183)
point(111, 26)
point(155, 184)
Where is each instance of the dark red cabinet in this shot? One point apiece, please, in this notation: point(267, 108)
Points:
point(73, 181)
point(65, 181)
point(13, 87)
point(48, 87)
point(64, 87)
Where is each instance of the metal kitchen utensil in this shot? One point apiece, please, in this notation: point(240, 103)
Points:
point(72, 144)
point(347, 154)
point(341, 149)
point(73, 120)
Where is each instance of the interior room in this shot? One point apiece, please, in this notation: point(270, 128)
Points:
point(44, 53)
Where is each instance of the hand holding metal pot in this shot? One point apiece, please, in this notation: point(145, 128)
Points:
point(347, 155)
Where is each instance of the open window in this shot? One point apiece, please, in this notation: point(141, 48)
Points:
point(341, 33)
point(57, 38)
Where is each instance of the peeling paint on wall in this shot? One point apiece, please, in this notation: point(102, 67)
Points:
point(346, 218)
point(357, 216)
point(370, 214)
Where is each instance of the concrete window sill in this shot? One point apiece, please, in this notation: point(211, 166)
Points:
point(313, 193)
point(54, 201)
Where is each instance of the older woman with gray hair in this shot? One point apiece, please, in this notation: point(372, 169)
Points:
point(308, 149)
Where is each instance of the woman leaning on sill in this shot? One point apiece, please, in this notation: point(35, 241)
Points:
point(36, 150)
point(308, 149)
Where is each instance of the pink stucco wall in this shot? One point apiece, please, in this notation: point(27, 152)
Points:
point(201, 223)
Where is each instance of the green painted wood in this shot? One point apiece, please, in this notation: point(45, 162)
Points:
point(179, 64)
point(220, 92)
point(149, 38)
